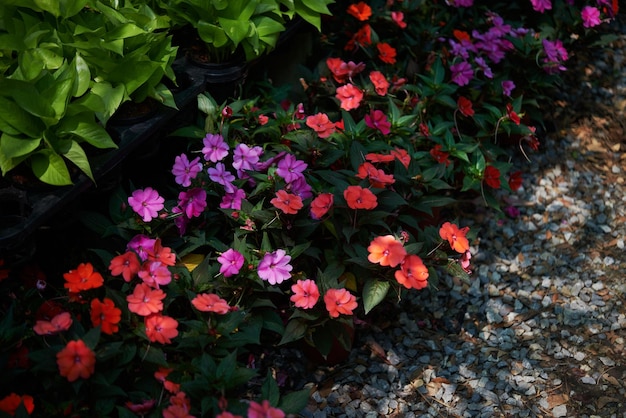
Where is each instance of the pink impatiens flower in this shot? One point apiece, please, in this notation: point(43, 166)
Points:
point(210, 302)
point(349, 96)
point(264, 410)
point(590, 16)
point(146, 203)
point(321, 124)
point(231, 262)
point(215, 148)
point(185, 170)
point(275, 267)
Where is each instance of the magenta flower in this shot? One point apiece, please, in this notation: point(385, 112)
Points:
point(220, 175)
point(192, 202)
point(290, 169)
point(275, 267)
point(480, 62)
point(146, 203)
point(300, 187)
point(142, 245)
point(541, 5)
point(264, 410)
point(215, 148)
point(232, 200)
point(507, 87)
point(590, 16)
point(555, 55)
point(461, 3)
point(231, 261)
point(185, 170)
point(462, 73)
point(377, 119)
point(246, 158)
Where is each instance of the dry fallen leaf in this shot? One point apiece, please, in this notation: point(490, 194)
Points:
point(557, 399)
point(603, 400)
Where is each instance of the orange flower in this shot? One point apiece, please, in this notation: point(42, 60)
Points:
point(321, 205)
point(76, 360)
point(461, 35)
point(379, 158)
point(361, 11)
point(305, 294)
point(287, 202)
point(349, 96)
point(381, 85)
point(58, 323)
point(386, 250)
point(455, 236)
point(161, 376)
point(105, 315)
point(11, 402)
point(360, 198)
point(83, 278)
point(465, 106)
point(378, 178)
point(161, 328)
point(210, 302)
point(386, 53)
point(145, 300)
point(413, 274)
point(339, 301)
point(126, 264)
point(321, 124)
point(162, 254)
point(179, 407)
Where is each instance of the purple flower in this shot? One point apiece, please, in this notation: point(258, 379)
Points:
point(181, 222)
point(590, 16)
point(246, 158)
point(220, 175)
point(290, 169)
point(555, 55)
point(512, 211)
point(146, 203)
point(507, 87)
point(541, 5)
point(215, 148)
point(141, 244)
point(275, 267)
point(460, 3)
point(232, 200)
point(185, 170)
point(300, 187)
point(462, 73)
point(484, 67)
point(192, 202)
point(231, 262)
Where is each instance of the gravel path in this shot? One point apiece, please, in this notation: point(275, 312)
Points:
point(541, 330)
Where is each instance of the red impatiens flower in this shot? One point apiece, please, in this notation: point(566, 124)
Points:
point(162, 254)
point(350, 96)
point(343, 71)
point(515, 180)
point(413, 274)
point(127, 264)
point(512, 115)
point(465, 106)
point(361, 10)
point(321, 124)
point(455, 236)
point(141, 408)
point(377, 178)
point(145, 300)
point(161, 376)
point(339, 301)
point(287, 202)
point(76, 360)
point(360, 198)
point(321, 205)
point(461, 35)
point(440, 156)
point(210, 302)
point(386, 250)
point(105, 315)
point(362, 37)
point(83, 278)
point(386, 53)
point(492, 177)
point(398, 18)
point(12, 401)
point(57, 324)
point(402, 155)
point(381, 85)
point(161, 328)
point(379, 158)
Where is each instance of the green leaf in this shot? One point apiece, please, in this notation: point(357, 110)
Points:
point(294, 402)
point(83, 76)
point(295, 330)
point(76, 154)
point(13, 147)
point(270, 389)
point(15, 120)
point(374, 291)
point(427, 203)
point(49, 167)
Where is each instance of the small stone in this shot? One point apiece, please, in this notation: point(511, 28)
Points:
point(559, 411)
point(588, 380)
